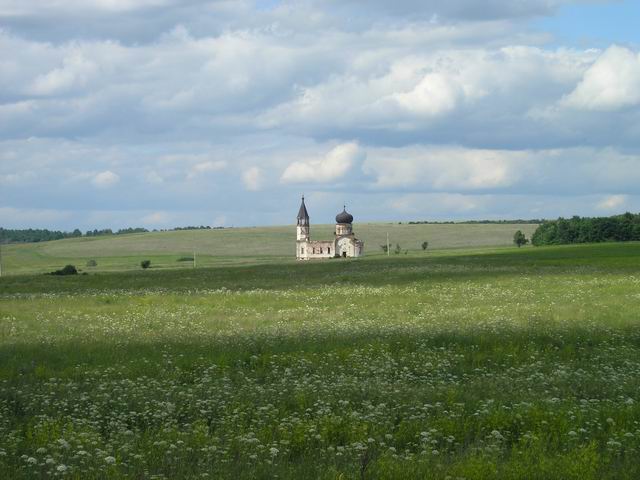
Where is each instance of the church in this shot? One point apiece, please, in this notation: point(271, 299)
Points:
point(344, 244)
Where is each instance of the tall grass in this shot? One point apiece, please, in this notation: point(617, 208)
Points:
point(512, 364)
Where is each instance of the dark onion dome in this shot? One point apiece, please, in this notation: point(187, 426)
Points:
point(303, 216)
point(344, 217)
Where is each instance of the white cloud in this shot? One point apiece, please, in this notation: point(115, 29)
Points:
point(75, 73)
point(154, 177)
point(407, 97)
point(612, 82)
point(105, 179)
point(465, 91)
point(206, 167)
point(612, 202)
point(156, 218)
point(333, 166)
point(446, 168)
point(252, 179)
point(220, 221)
point(435, 94)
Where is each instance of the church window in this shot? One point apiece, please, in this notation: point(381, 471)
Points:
point(329, 250)
point(302, 250)
point(320, 249)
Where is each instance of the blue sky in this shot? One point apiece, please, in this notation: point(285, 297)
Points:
point(594, 25)
point(161, 113)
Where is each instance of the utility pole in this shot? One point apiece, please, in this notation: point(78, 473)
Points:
point(388, 252)
point(0, 259)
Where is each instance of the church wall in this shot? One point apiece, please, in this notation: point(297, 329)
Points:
point(315, 249)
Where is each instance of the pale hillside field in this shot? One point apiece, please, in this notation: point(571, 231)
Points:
point(238, 245)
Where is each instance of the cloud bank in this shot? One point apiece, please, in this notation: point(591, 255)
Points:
point(195, 111)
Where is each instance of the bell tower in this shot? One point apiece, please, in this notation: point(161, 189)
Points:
point(302, 229)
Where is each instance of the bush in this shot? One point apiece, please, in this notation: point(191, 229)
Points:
point(92, 263)
point(145, 264)
point(185, 259)
point(67, 270)
point(425, 245)
point(398, 249)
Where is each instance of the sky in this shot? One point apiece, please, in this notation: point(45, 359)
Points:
point(165, 113)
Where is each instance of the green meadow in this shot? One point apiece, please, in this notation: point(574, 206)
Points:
point(480, 361)
point(237, 246)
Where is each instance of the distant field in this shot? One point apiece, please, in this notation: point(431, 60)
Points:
point(238, 245)
point(471, 363)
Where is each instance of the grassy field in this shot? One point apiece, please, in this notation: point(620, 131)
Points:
point(497, 363)
point(236, 246)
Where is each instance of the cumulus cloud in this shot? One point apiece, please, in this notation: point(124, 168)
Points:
point(446, 168)
point(156, 218)
point(105, 179)
point(433, 95)
point(252, 179)
point(333, 166)
point(153, 177)
point(613, 202)
point(206, 167)
point(455, 169)
point(450, 99)
point(612, 82)
point(74, 73)
point(473, 96)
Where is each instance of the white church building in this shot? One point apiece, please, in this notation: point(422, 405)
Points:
point(344, 244)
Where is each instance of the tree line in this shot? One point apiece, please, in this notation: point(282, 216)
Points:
point(619, 228)
point(29, 235)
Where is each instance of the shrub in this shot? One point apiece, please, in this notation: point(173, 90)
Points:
point(425, 244)
point(398, 249)
point(145, 264)
point(67, 270)
point(92, 263)
point(185, 259)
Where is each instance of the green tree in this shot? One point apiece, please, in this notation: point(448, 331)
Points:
point(145, 264)
point(425, 245)
point(519, 239)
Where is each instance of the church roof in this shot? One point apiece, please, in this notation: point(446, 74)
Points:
point(344, 217)
point(303, 216)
